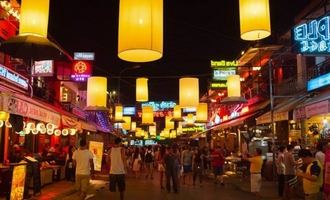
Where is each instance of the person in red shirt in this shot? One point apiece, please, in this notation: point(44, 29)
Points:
point(218, 161)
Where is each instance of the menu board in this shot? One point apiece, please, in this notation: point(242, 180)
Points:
point(18, 182)
point(97, 149)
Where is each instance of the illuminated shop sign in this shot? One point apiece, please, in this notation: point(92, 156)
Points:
point(81, 71)
point(13, 77)
point(221, 74)
point(193, 129)
point(313, 37)
point(43, 68)
point(318, 82)
point(224, 63)
point(150, 142)
point(129, 111)
point(160, 105)
point(159, 113)
point(218, 85)
point(83, 55)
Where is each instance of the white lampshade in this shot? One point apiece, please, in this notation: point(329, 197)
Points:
point(189, 92)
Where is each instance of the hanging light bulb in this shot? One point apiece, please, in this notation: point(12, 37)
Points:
point(57, 132)
point(27, 131)
point(65, 132)
point(50, 126)
point(254, 19)
point(140, 34)
point(50, 131)
point(41, 126)
point(34, 131)
point(43, 131)
point(73, 131)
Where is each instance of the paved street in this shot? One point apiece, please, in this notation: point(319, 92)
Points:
point(150, 189)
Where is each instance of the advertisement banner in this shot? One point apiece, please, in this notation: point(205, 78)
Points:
point(18, 182)
point(97, 149)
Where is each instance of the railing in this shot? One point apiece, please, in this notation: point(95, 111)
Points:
point(319, 69)
point(291, 86)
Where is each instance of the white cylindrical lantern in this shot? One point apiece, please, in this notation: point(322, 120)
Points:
point(140, 34)
point(133, 126)
point(96, 93)
point(168, 123)
point(201, 114)
point(152, 130)
point(118, 113)
point(189, 92)
point(127, 124)
point(142, 89)
point(233, 86)
point(254, 19)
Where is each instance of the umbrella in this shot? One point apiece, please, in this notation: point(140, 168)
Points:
point(32, 47)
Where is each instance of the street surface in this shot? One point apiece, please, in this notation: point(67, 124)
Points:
point(146, 189)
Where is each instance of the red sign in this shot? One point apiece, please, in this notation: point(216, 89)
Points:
point(162, 113)
point(81, 70)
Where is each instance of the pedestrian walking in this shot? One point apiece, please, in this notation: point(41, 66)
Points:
point(186, 160)
point(118, 168)
point(137, 163)
point(255, 171)
point(161, 168)
point(69, 168)
point(197, 166)
point(218, 160)
point(290, 172)
point(280, 166)
point(172, 165)
point(312, 177)
point(149, 162)
point(83, 161)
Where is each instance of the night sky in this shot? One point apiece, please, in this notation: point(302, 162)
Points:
point(195, 31)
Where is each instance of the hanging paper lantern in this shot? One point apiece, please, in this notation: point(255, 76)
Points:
point(152, 131)
point(140, 35)
point(96, 93)
point(233, 90)
point(119, 114)
point(138, 132)
point(173, 134)
point(4, 115)
point(168, 123)
point(142, 89)
point(201, 114)
point(189, 92)
point(147, 115)
point(133, 126)
point(57, 132)
point(190, 119)
point(127, 124)
point(254, 19)
point(34, 17)
point(177, 115)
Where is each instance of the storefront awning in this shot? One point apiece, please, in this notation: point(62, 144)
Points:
point(88, 126)
point(281, 111)
point(234, 122)
point(71, 122)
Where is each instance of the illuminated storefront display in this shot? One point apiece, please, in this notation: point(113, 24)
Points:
point(313, 37)
point(43, 68)
point(81, 70)
point(13, 77)
point(318, 82)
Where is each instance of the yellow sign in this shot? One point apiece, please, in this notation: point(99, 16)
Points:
point(18, 182)
point(224, 63)
point(193, 129)
point(97, 149)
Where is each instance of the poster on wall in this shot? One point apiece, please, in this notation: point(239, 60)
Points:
point(97, 149)
point(18, 182)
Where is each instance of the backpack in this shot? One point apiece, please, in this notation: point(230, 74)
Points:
point(148, 158)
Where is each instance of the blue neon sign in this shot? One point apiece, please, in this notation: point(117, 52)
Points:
point(313, 37)
point(318, 82)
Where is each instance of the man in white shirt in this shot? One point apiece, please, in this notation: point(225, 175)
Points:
point(83, 161)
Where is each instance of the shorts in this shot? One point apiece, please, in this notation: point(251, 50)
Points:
point(255, 182)
point(187, 169)
point(82, 183)
point(117, 179)
point(218, 171)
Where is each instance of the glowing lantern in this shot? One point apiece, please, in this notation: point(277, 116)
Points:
point(133, 126)
point(140, 34)
point(254, 19)
point(119, 114)
point(4, 115)
point(57, 132)
point(34, 17)
point(50, 126)
point(173, 134)
point(65, 132)
point(138, 132)
point(166, 133)
point(40, 126)
point(27, 131)
point(50, 131)
point(189, 92)
point(179, 130)
point(201, 114)
point(73, 131)
point(152, 130)
point(34, 131)
point(190, 119)
point(43, 131)
point(168, 123)
point(142, 89)
point(234, 90)
point(127, 124)
point(147, 115)
point(177, 114)
point(1, 123)
point(96, 93)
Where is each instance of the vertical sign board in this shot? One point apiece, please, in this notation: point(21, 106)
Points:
point(97, 149)
point(18, 182)
point(313, 37)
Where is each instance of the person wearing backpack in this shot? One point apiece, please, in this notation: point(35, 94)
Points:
point(149, 162)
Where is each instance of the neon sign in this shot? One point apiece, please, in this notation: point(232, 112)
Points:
point(224, 63)
point(318, 82)
point(160, 105)
point(313, 37)
point(218, 85)
point(13, 77)
point(81, 70)
point(222, 73)
point(83, 55)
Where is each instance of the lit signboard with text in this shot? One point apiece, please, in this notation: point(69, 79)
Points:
point(221, 74)
point(221, 70)
point(160, 105)
point(313, 37)
point(218, 85)
point(13, 77)
point(318, 82)
point(81, 70)
point(83, 55)
point(43, 68)
point(131, 111)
